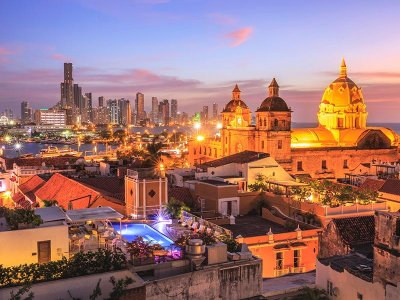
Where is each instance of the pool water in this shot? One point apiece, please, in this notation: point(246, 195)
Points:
point(130, 231)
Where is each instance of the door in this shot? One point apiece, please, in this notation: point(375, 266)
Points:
point(229, 208)
point(44, 252)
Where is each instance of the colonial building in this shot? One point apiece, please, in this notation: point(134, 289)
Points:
point(342, 140)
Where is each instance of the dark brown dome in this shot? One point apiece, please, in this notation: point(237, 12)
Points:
point(274, 103)
point(233, 104)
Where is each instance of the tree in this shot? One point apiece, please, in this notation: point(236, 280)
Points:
point(175, 207)
point(154, 153)
point(21, 292)
point(119, 134)
point(119, 286)
point(48, 203)
point(105, 134)
point(259, 184)
point(301, 193)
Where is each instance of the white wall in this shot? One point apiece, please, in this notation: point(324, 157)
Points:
point(270, 168)
point(348, 285)
point(80, 287)
point(20, 246)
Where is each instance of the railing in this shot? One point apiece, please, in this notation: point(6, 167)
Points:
point(206, 223)
point(297, 269)
point(281, 272)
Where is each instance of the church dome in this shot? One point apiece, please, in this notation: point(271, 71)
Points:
point(235, 102)
point(273, 102)
point(343, 92)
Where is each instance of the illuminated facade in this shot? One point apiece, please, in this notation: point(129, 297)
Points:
point(339, 143)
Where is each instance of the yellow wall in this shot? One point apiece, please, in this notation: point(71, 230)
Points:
point(20, 246)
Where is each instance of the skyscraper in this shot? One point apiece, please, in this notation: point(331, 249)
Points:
point(26, 113)
point(67, 93)
point(205, 114)
point(174, 110)
point(139, 107)
point(165, 112)
point(101, 101)
point(120, 111)
point(215, 111)
point(154, 109)
point(89, 107)
point(78, 97)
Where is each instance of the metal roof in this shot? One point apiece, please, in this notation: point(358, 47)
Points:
point(93, 214)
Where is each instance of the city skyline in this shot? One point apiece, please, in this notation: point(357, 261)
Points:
point(228, 44)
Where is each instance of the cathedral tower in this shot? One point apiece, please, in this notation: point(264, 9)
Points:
point(273, 123)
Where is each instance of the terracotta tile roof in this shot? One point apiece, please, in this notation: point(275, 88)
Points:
point(391, 186)
point(65, 190)
point(240, 158)
point(372, 184)
point(38, 161)
point(356, 231)
point(20, 201)
point(182, 194)
point(30, 186)
point(108, 185)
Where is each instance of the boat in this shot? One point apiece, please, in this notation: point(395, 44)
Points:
point(52, 151)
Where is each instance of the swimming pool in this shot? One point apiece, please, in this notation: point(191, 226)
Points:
point(130, 231)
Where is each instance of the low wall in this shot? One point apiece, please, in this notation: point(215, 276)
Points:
point(266, 214)
point(80, 287)
point(230, 281)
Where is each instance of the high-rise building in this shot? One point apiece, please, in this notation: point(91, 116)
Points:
point(165, 112)
point(139, 107)
point(101, 115)
point(89, 106)
point(26, 113)
point(154, 110)
point(101, 101)
point(215, 111)
point(120, 111)
point(67, 93)
point(204, 114)
point(174, 110)
point(9, 113)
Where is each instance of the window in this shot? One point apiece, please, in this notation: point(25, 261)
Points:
point(260, 122)
point(279, 144)
point(340, 123)
point(194, 151)
point(345, 166)
point(226, 140)
point(329, 288)
point(323, 165)
point(215, 153)
point(296, 261)
point(276, 123)
point(279, 260)
point(398, 227)
point(359, 296)
point(300, 166)
point(262, 144)
point(265, 122)
point(200, 150)
point(209, 151)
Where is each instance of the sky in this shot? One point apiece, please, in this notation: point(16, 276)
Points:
point(196, 50)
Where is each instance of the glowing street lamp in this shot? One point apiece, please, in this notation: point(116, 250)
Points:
point(200, 138)
point(219, 125)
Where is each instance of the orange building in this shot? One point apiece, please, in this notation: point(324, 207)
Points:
point(341, 142)
point(283, 251)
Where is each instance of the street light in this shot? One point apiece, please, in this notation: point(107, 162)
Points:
point(200, 138)
point(219, 125)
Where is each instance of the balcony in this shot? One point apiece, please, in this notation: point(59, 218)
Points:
point(282, 272)
point(297, 269)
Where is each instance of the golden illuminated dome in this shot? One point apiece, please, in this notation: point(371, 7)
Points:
point(342, 104)
point(273, 102)
point(235, 102)
point(342, 92)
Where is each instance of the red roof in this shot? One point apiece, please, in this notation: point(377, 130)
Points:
point(182, 194)
point(65, 190)
point(20, 201)
point(30, 186)
point(391, 186)
point(372, 184)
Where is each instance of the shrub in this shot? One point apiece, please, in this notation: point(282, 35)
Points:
point(80, 264)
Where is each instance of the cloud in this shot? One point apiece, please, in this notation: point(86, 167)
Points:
point(59, 57)
point(5, 53)
point(222, 19)
point(239, 36)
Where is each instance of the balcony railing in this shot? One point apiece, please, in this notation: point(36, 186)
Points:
point(297, 269)
point(282, 272)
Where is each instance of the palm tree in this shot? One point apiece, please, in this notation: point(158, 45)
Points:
point(154, 153)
